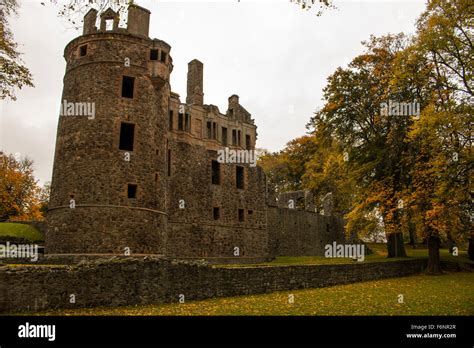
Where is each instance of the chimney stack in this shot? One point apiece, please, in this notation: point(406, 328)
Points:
point(138, 20)
point(195, 93)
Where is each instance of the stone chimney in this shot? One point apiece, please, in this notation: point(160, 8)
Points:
point(138, 20)
point(195, 94)
point(89, 22)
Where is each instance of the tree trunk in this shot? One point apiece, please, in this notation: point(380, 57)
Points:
point(412, 233)
point(434, 263)
point(395, 246)
point(451, 243)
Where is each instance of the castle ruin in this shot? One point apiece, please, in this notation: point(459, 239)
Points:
point(143, 174)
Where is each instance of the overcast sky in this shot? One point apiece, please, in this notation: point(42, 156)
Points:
point(274, 55)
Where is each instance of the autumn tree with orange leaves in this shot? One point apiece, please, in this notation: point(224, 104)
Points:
point(20, 196)
point(411, 173)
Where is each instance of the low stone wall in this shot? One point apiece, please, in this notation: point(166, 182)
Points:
point(158, 280)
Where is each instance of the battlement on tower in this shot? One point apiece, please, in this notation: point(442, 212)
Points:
point(138, 21)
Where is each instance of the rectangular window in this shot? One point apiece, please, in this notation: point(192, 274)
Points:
point(224, 136)
point(83, 50)
point(127, 134)
point(214, 130)
point(170, 121)
point(153, 54)
point(239, 177)
point(216, 173)
point(241, 215)
point(234, 137)
point(239, 136)
point(132, 191)
point(128, 86)
point(247, 142)
point(216, 213)
point(187, 123)
point(180, 121)
point(163, 56)
point(209, 130)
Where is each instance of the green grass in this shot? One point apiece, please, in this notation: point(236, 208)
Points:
point(379, 255)
point(21, 231)
point(449, 294)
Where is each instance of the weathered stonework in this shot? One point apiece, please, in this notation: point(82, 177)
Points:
point(157, 280)
point(176, 208)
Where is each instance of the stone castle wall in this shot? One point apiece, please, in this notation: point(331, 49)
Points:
point(194, 230)
point(147, 281)
point(170, 164)
point(295, 232)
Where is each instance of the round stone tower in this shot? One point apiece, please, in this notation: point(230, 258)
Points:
point(108, 186)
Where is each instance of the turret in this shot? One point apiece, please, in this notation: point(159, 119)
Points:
point(108, 187)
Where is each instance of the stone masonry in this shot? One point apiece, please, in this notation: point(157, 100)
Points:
point(142, 174)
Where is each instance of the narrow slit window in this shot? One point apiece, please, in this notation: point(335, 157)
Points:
point(234, 137)
point(127, 135)
point(224, 136)
point(216, 173)
point(241, 215)
point(180, 121)
point(187, 122)
point(247, 142)
point(132, 191)
point(214, 130)
point(239, 176)
point(170, 121)
point(209, 130)
point(153, 54)
point(128, 86)
point(216, 212)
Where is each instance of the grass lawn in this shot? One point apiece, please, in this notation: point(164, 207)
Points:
point(449, 294)
point(28, 232)
point(379, 255)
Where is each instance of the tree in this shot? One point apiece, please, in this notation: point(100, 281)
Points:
point(321, 5)
point(327, 172)
point(441, 182)
point(13, 74)
point(373, 141)
point(285, 169)
point(20, 196)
